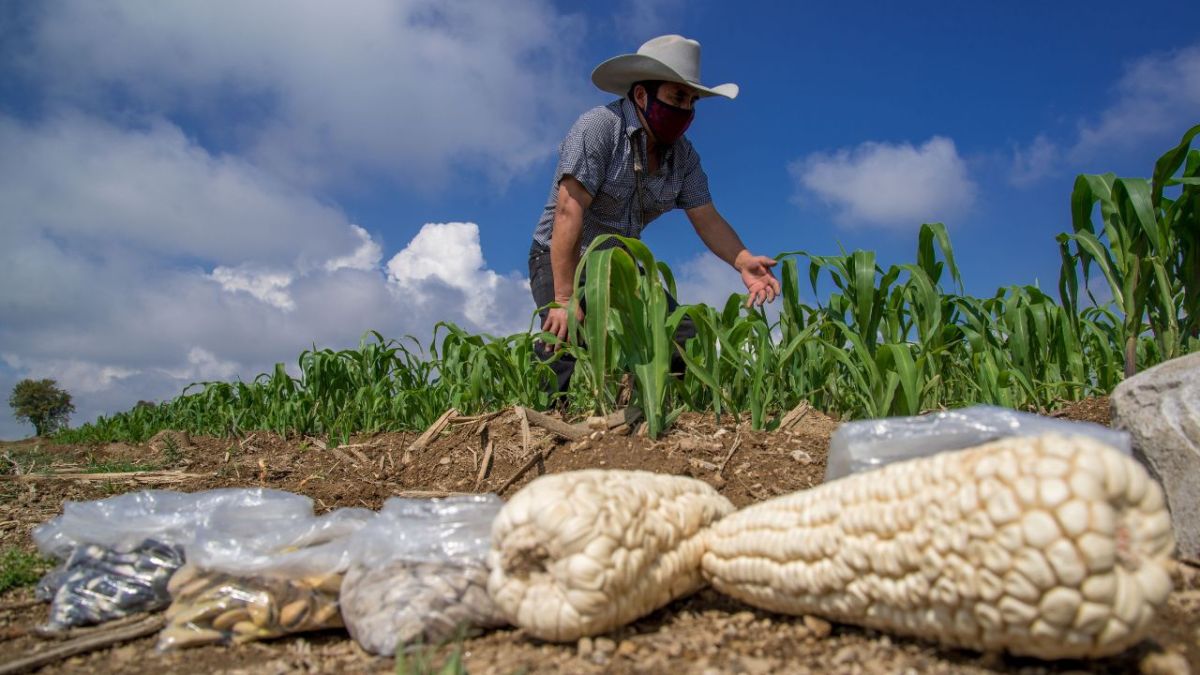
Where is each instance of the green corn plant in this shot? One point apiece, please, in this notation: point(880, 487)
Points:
point(625, 294)
point(1181, 216)
point(1143, 249)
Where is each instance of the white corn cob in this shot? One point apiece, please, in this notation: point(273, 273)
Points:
point(1050, 546)
point(580, 553)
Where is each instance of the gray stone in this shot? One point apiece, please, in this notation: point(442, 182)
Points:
point(1160, 408)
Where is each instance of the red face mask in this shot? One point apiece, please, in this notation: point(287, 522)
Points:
point(667, 122)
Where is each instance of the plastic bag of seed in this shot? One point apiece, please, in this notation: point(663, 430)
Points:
point(118, 554)
point(98, 584)
point(418, 573)
point(246, 582)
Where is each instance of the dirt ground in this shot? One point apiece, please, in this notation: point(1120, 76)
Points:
point(701, 634)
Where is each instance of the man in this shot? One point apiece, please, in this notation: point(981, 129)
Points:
point(624, 164)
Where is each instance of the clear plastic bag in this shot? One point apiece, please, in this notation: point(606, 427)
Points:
point(869, 444)
point(125, 521)
point(248, 581)
point(119, 553)
point(419, 574)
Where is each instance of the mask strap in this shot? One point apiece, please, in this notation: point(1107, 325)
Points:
point(638, 167)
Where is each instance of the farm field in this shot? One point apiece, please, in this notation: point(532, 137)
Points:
point(705, 631)
point(748, 405)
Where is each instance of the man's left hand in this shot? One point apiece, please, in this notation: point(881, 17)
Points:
point(761, 284)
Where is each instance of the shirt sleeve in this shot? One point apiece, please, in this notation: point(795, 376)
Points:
point(584, 153)
point(694, 191)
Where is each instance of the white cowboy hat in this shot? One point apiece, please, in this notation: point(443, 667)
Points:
point(671, 58)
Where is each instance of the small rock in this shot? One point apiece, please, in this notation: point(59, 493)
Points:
point(444, 461)
point(627, 648)
point(123, 654)
point(1160, 408)
point(755, 666)
point(675, 650)
point(1164, 663)
point(817, 626)
point(743, 618)
point(846, 655)
point(605, 645)
point(584, 646)
point(802, 457)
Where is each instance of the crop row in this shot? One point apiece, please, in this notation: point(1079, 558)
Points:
point(885, 341)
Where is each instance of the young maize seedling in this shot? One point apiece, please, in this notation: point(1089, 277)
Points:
point(1049, 546)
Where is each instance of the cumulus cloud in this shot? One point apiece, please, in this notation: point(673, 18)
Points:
point(889, 185)
point(269, 287)
point(365, 257)
point(447, 256)
point(390, 87)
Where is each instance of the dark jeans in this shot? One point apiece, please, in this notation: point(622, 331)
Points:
point(541, 283)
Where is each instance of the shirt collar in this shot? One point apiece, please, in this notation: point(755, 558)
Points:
point(630, 117)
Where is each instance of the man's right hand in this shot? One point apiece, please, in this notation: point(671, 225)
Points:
point(556, 322)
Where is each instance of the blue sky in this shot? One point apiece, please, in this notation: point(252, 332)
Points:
point(198, 190)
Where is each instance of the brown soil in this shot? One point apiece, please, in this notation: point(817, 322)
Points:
point(703, 633)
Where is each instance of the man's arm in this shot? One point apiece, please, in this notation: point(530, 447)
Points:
point(718, 235)
point(573, 200)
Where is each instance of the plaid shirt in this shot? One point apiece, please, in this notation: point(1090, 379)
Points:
point(599, 152)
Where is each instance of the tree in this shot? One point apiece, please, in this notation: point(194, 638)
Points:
point(42, 404)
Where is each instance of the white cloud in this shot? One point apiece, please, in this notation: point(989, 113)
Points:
point(71, 374)
point(203, 366)
point(405, 88)
point(448, 256)
point(153, 191)
point(1036, 161)
point(1152, 104)
point(365, 257)
point(1156, 99)
point(269, 287)
point(889, 185)
point(707, 279)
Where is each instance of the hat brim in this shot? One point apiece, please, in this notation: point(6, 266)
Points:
point(619, 73)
